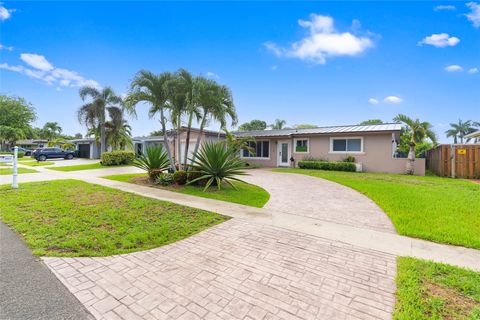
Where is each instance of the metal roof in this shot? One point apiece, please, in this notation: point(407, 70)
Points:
point(388, 127)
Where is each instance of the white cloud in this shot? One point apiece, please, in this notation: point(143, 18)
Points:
point(474, 15)
point(212, 75)
point(444, 7)
point(322, 42)
point(2, 47)
point(36, 61)
point(473, 70)
point(454, 68)
point(373, 101)
point(393, 99)
point(5, 13)
point(440, 40)
point(43, 70)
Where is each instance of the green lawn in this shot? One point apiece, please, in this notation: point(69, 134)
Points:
point(37, 163)
point(88, 166)
point(428, 290)
point(246, 194)
point(74, 218)
point(4, 171)
point(438, 209)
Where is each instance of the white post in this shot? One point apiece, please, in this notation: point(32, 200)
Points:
point(15, 171)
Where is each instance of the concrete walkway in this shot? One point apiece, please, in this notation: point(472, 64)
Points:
point(28, 290)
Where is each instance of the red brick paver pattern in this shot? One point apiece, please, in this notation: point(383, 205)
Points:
point(236, 270)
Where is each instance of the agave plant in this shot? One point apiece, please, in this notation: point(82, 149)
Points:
point(154, 162)
point(216, 162)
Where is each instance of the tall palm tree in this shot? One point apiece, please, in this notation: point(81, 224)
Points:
point(216, 102)
point(150, 88)
point(279, 124)
point(92, 114)
point(51, 130)
point(418, 131)
point(460, 130)
point(118, 131)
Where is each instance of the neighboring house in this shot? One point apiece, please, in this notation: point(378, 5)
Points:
point(474, 135)
point(142, 143)
point(373, 146)
point(87, 148)
point(31, 144)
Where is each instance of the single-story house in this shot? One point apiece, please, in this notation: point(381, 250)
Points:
point(32, 144)
point(373, 146)
point(142, 143)
point(474, 135)
point(87, 148)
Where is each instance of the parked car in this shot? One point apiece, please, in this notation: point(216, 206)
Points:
point(27, 152)
point(50, 153)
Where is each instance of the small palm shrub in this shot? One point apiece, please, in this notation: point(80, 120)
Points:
point(192, 177)
point(164, 179)
point(217, 163)
point(155, 161)
point(180, 177)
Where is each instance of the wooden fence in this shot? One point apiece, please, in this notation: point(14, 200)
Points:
point(456, 161)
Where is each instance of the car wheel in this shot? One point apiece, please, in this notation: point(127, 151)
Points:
point(69, 157)
point(42, 158)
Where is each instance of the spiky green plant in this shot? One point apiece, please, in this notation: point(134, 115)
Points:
point(216, 162)
point(154, 161)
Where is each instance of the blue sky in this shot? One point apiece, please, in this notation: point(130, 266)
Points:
point(326, 63)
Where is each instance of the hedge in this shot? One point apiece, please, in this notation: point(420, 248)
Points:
point(19, 154)
point(328, 165)
point(116, 158)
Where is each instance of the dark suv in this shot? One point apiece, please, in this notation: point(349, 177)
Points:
point(50, 153)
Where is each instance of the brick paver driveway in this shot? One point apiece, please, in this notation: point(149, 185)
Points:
point(237, 270)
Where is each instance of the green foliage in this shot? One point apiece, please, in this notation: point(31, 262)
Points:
point(416, 300)
point(16, 116)
point(75, 218)
point(118, 157)
point(218, 163)
point(370, 122)
point(180, 177)
point(164, 179)
point(253, 125)
point(327, 165)
point(305, 126)
point(279, 124)
point(192, 177)
point(154, 161)
point(64, 145)
point(433, 208)
point(349, 159)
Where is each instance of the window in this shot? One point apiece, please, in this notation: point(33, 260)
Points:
point(301, 145)
point(257, 149)
point(346, 144)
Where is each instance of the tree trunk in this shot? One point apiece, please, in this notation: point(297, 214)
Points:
point(411, 160)
point(103, 146)
point(179, 133)
point(187, 140)
point(200, 134)
point(165, 140)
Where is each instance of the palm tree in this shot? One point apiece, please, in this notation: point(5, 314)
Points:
point(51, 130)
point(118, 131)
point(418, 132)
point(92, 114)
point(216, 102)
point(150, 88)
point(279, 124)
point(460, 129)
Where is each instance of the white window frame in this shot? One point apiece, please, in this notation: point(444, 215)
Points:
point(346, 152)
point(258, 158)
point(295, 145)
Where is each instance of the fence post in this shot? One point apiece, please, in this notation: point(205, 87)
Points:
point(452, 156)
point(15, 170)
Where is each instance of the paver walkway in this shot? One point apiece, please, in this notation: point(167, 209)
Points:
point(319, 199)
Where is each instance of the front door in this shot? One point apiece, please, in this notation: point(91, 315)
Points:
point(283, 153)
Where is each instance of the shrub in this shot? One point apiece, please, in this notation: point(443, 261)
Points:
point(217, 162)
point(180, 177)
point(349, 159)
point(154, 161)
point(310, 158)
point(192, 177)
point(164, 179)
point(116, 158)
point(19, 154)
point(328, 165)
